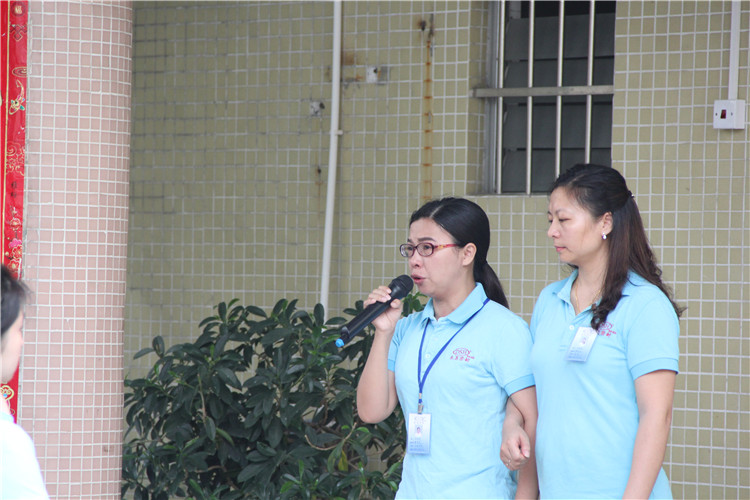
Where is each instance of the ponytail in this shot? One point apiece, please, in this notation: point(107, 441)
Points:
point(467, 223)
point(484, 274)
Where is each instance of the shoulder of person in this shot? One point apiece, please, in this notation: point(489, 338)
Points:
point(643, 301)
point(503, 312)
point(411, 320)
point(15, 436)
point(641, 290)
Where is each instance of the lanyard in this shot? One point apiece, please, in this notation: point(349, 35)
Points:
point(421, 379)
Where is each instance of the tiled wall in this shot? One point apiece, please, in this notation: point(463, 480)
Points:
point(230, 163)
point(78, 129)
point(692, 185)
point(229, 170)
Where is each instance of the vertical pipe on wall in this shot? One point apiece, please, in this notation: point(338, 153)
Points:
point(500, 75)
point(558, 99)
point(332, 155)
point(589, 80)
point(530, 100)
point(734, 50)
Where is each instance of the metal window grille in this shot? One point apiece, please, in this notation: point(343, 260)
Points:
point(550, 101)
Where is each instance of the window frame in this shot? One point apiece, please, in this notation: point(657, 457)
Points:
point(496, 93)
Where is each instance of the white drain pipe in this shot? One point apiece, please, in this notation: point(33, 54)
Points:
point(333, 151)
point(734, 50)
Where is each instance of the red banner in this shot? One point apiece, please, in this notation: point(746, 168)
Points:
point(13, 140)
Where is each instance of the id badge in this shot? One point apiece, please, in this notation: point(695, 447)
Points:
point(582, 343)
point(418, 434)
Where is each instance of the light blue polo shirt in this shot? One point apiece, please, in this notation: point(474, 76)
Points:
point(465, 392)
point(588, 414)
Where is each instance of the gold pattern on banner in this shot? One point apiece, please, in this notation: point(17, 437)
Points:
point(6, 392)
point(18, 9)
point(17, 103)
point(15, 158)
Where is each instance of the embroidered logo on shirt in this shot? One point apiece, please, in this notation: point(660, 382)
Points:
point(607, 329)
point(461, 354)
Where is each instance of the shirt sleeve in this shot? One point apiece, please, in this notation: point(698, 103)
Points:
point(652, 341)
point(512, 362)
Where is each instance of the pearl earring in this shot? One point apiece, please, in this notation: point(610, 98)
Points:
point(604, 236)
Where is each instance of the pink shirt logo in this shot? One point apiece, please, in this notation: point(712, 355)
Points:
point(607, 329)
point(461, 354)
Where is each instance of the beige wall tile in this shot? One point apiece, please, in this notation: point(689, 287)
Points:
point(229, 174)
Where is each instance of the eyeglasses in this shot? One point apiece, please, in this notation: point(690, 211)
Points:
point(423, 249)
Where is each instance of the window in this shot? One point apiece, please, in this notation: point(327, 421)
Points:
point(550, 104)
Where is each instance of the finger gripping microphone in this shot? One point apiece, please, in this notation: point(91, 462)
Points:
point(400, 287)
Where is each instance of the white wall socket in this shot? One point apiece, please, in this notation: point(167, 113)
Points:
point(729, 114)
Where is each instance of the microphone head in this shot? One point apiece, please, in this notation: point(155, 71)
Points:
point(401, 286)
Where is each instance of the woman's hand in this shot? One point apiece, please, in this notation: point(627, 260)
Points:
point(516, 447)
point(518, 443)
point(386, 322)
point(376, 392)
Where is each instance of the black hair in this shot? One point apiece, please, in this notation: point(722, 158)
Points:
point(599, 190)
point(467, 223)
point(13, 297)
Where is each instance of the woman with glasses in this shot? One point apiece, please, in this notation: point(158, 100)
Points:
point(453, 365)
point(605, 352)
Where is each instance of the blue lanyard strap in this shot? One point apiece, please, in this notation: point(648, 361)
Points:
point(422, 379)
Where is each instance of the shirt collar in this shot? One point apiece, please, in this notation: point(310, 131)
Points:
point(469, 306)
point(633, 280)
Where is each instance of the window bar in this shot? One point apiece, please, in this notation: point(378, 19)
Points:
point(590, 80)
point(499, 110)
point(558, 99)
point(530, 99)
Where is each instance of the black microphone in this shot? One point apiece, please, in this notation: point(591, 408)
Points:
point(400, 287)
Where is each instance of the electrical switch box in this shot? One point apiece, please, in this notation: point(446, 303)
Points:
point(729, 114)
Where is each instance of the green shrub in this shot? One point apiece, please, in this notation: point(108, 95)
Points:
point(259, 406)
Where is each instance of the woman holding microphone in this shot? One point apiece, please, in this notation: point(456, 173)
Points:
point(452, 366)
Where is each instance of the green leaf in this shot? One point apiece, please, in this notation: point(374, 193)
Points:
point(275, 335)
point(229, 377)
point(343, 464)
point(257, 311)
point(223, 312)
point(319, 313)
point(158, 345)
point(290, 308)
point(279, 307)
point(274, 433)
point(143, 352)
point(225, 435)
point(250, 472)
point(335, 457)
point(266, 450)
point(195, 487)
point(210, 428)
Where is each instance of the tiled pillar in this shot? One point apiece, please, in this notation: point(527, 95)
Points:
point(78, 136)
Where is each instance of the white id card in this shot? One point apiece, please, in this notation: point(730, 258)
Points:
point(418, 434)
point(582, 343)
